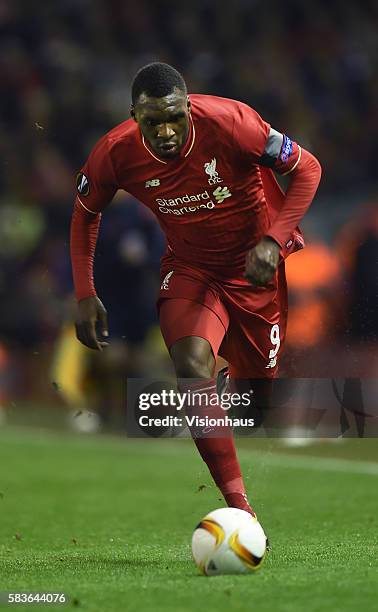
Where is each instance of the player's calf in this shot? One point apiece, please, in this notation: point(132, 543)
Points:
point(194, 363)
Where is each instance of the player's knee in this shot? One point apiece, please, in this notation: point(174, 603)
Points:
point(193, 358)
point(192, 366)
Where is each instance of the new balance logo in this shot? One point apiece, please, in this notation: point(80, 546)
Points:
point(221, 193)
point(152, 183)
point(211, 170)
point(166, 279)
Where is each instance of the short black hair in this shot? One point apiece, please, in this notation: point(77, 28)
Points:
point(156, 80)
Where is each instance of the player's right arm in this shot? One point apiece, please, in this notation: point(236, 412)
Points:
point(96, 186)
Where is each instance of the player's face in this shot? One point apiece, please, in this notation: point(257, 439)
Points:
point(164, 122)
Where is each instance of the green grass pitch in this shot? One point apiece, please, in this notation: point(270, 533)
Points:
point(109, 520)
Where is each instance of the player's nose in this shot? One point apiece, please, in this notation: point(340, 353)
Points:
point(165, 131)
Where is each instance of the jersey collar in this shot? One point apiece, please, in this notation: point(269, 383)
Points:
point(185, 151)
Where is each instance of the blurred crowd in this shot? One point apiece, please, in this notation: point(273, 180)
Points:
point(310, 68)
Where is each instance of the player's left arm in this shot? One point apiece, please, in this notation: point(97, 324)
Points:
point(303, 170)
point(287, 158)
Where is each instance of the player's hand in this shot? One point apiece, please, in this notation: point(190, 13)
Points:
point(91, 312)
point(262, 261)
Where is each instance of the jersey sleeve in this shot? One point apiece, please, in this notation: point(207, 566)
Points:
point(96, 183)
point(250, 133)
point(305, 177)
point(261, 144)
point(281, 153)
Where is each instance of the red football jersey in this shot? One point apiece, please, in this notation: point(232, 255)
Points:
point(214, 201)
point(209, 200)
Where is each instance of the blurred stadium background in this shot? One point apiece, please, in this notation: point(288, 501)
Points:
point(109, 521)
point(310, 69)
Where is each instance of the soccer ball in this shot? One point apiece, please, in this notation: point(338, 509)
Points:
point(228, 541)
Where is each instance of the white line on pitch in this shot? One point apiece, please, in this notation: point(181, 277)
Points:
point(172, 447)
point(277, 459)
point(324, 464)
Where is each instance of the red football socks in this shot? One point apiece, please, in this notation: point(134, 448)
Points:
point(215, 441)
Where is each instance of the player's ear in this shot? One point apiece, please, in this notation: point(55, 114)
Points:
point(188, 104)
point(132, 112)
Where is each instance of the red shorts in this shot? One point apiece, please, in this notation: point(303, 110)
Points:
point(244, 324)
